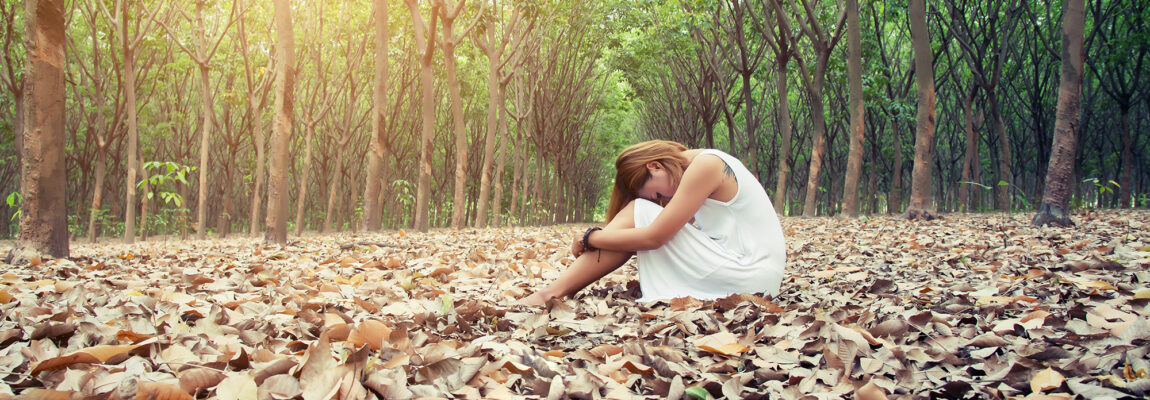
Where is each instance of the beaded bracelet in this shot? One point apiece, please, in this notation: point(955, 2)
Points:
point(587, 235)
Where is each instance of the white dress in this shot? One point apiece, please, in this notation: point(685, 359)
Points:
point(732, 247)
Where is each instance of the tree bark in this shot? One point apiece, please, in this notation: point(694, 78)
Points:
point(43, 177)
point(129, 61)
point(894, 199)
point(924, 130)
point(425, 42)
point(372, 209)
point(208, 119)
point(301, 198)
point(1125, 182)
point(282, 124)
point(854, 71)
point(1060, 170)
point(970, 161)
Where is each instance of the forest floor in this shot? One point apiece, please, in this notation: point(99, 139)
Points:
point(969, 306)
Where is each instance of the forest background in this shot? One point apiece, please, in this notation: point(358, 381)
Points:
point(498, 112)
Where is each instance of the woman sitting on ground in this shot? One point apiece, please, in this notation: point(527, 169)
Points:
point(700, 222)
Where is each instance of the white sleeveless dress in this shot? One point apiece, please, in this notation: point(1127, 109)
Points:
point(732, 247)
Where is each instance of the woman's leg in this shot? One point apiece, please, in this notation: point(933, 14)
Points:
point(590, 266)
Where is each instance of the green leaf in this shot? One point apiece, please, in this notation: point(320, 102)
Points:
point(446, 304)
point(1003, 183)
point(697, 392)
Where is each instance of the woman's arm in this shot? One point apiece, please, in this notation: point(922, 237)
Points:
point(701, 178)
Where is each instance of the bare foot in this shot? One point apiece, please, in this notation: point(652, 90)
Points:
point(534, 300)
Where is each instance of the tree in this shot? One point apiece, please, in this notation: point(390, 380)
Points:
point(129, 43)
point(823, 44)
point(1125, 34)
point(425, 44)
point(780, 44)
point(257, 91)
point(372, 208)
point(854, 70)
point(1060, 169)
point(202, 54)
point(43, 179)
point(924, 129)
point(497, 59)
point(984, 35)
point(282, 124)
point(449, 42)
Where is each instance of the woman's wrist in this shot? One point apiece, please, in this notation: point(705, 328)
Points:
point(587, 238)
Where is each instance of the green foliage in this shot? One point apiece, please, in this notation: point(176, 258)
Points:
point(13, 201)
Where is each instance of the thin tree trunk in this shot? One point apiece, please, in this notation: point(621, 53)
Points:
point(97, 193)
point(257, 190)
point(129, 61)
point(425, 40)
point(815, 91)
point(894, 199)
point(301, 198)
point(970, 159)
point(924, 136)
point(333, 184)
point(500, 162)
point(285, 89)
point(1005, 179)
point(205, 147)
point(372, 208)
point(1060, 169)
point(854, 68)
point(1124, 180)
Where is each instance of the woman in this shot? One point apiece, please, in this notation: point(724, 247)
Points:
point(700, 222)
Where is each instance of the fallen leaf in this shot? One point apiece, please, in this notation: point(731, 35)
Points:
point(1047, 379)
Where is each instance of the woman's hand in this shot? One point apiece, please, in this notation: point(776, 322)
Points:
point(577, 248)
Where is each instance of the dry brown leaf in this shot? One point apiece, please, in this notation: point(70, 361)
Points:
point(237, 387)
point(371, 332)
point(320, 376)
point(199, 379)
point(870, 391)
point(91, 355)
point(724, 343)
point(5, 298)
point(1047, 379)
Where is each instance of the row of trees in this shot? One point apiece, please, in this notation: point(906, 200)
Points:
point(387, 106)
point(169, 104)
point(821, 97)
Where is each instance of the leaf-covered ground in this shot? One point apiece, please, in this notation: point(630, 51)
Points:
point(971, 306)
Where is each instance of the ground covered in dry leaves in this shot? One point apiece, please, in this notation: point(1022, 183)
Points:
point(971, 306)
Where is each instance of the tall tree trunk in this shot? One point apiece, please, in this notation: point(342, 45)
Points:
point(815, 91)
point(459, 197)
point(894, 199)
point(921, 184)
point(333, 184)
point(43, 177)
point(970, 159)
point(854, 71)
point(282, 124)
point(1124, 178)
point(425, 41)
point(129, 61)
point(500, 162)
point(257, 189)
point(494, 99)
point(372, 209)
point(1060, 170)
point(301, 198)
point(97, 193)
point(1005, 178)
point(205, 147)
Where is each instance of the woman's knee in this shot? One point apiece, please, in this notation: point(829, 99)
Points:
point(625, 219)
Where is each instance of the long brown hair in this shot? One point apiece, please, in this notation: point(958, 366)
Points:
point(631, 169)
